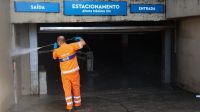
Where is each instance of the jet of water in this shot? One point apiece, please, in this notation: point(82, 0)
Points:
point(18, 51)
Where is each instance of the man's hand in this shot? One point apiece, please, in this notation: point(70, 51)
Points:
point(82, 42)
point(79, 39)
point(55, 45)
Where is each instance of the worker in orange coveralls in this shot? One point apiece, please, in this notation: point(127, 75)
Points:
point(66, 54)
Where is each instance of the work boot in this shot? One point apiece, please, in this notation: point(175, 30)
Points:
point(76, 108)
point(68, 110)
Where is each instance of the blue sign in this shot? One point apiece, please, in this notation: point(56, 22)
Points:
point(48, 7)
point(147, 8)
point(84, 8)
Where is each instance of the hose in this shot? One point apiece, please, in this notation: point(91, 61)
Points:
point(88, 47)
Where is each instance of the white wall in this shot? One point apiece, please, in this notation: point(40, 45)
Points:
point(6, 76)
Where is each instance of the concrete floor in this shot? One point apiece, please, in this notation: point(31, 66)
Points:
point(121, 100)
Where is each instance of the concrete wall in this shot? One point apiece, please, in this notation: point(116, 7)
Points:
point(6, 75)
point(188, 54)
point(33, 59)
point(182, 8)
point(23, 61)
point(59, 17)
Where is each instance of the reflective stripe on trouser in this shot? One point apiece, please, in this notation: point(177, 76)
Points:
point(77, 100)
point(71, 83)
point(69, 102)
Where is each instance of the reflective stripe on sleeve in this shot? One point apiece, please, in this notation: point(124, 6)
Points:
point(70, 71)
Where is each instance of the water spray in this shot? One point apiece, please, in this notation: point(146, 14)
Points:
point(18, 51)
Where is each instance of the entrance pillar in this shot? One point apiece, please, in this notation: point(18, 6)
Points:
point(167, 56)
point(33, 59)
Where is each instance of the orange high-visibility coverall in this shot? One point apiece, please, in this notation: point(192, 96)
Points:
point(69, 73)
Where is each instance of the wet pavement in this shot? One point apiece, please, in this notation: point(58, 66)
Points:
point(120, 100)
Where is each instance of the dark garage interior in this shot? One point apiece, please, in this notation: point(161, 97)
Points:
point(121, 60)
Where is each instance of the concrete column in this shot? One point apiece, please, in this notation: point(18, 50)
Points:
point(6, 75)
point(188, 54)
point(124, 42)
point(15, 79)
point(43, 82)
point(167, 56)
point(23, 61)
point(33, 59)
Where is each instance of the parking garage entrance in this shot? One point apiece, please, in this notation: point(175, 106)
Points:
point(132, 57)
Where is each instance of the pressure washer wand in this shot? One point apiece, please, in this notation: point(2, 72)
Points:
point(45, 46)
point(48, 51)
point(52, 45)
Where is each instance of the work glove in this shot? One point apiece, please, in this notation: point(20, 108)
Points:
point(77, 39)
point(55, 45)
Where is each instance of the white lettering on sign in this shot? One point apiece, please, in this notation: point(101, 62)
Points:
point(99, 11)
point(37, 7)
point(147, 8)
point(94, 6)
point(86, 11)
